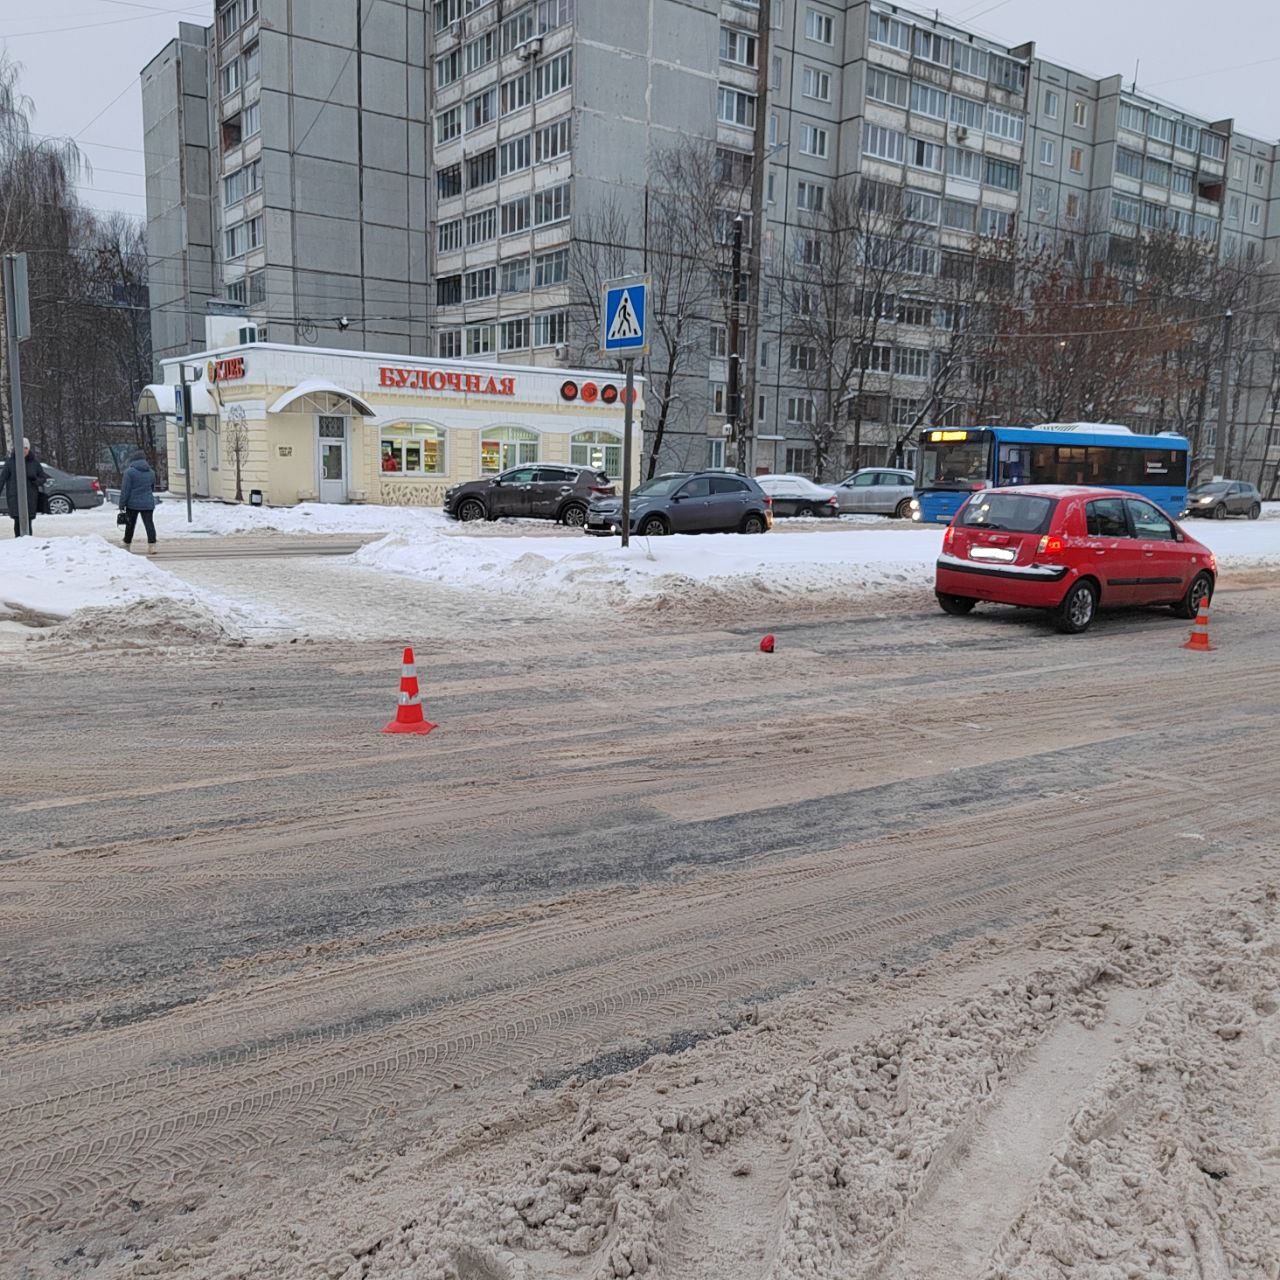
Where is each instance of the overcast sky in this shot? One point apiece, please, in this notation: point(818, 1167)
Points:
point(81, 60)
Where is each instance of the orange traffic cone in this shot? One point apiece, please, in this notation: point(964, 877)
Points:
point(409, 717)
point(1199, 638)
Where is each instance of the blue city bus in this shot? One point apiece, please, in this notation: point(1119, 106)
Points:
point(954, 461)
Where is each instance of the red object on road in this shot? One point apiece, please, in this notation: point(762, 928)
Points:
point(1199, 637)
point(766, 645)
point(409, 717)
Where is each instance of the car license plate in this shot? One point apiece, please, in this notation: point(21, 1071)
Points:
point(1004, 554)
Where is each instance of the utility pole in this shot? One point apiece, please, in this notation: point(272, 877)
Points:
point(1220, 436)
point(733, 411)
point(184, 424)
point(17, 316)
point(759, 154)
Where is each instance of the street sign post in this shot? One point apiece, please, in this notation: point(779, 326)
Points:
point(17, 309)
point(624, 334)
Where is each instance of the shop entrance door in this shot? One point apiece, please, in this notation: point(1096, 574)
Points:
point(332, 438)
point(201, 484)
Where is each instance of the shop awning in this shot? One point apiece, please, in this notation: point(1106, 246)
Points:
point(313, 389)
point(158, 397)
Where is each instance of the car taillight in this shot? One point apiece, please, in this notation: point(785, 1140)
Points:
point(1050, 545)
point(95, 486)
point(948, 537)
point(605, 490)
point(768, 502)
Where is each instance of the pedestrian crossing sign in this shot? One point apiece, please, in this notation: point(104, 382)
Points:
point(624, 315)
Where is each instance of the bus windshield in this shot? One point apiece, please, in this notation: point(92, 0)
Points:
point(954, 464)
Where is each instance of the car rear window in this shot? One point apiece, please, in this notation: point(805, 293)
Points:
point(1016, 512)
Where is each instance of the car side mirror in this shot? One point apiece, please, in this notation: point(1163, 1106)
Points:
point(1179, 535)
point(679, 497)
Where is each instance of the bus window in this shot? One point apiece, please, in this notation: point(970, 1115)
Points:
point(954, 464)
point(1014, 464)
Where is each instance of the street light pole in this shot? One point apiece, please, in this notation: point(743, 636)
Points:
point(17, 327)
point(733, 410)
point(1220, 436)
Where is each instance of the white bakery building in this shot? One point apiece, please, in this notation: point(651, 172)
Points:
point(311, 424)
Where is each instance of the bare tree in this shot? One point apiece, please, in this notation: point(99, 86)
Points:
point(235, 438)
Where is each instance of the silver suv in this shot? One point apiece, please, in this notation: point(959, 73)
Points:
point(882, 491)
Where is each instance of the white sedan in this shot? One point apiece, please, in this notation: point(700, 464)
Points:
point(796, 496)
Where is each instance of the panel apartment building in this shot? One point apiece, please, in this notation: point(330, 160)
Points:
point(424, 168)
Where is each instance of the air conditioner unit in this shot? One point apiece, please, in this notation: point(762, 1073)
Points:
point(962, 134)
point(562, 353)
point(248, 334)
point(530, 49)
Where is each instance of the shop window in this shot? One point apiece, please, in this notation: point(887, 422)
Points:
point(412, 450)
point(599, 449)
point(507, 447)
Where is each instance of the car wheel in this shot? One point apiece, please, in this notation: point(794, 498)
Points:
point(1199, 592)
point(471, 509)
point(903, 510)
point(753, 523)
point(956, 606)
point(653, 527)
point(1078, 609)
point(60, 505)
point(1220, 511)
point(1255, 511)
point(805, 511)
point(574, 515)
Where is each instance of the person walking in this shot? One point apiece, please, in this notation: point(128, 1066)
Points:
point(36, 476)
point(138, 498)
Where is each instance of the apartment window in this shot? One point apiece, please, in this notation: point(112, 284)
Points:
point(773, 128)
point(514, 275)
point(515, 216)
point(1133, 118)
point(514, 156)
point(928, 101)
point(920, 260)
point(482, 226)
point(482, 109)
point(234, 16)
point(737, 107)
point(480, 51)
point(449, 181)
point(1212, 145)
point(920, 206)
point(551, 77)
point(447, 12)
point(959, 215)
point(904, 411)
point(552, 141)
point(1188, 137)
point(719, 342)
point(1076, 162)
point(1128, 163)
point(243, 237)
point(1157, 172)
point(551, 268)
point(1073, 205)
point(251, 120)
point(1159, 127)
point(479, 284)
point(719, 394)
point(1124, 208)
point(969, 60)
point(802, 359)
point(412, 450)
point(243, 182)
point(1002, 174)
point(551, 205)
point(924, 155)
point(967, 113)
point(1048, 152)
point(737, 47)
point(1255, 213)
point(964, 164)
point(775, 72)
point(1206, 227)
point(1152, 215)
point(482, 169)
point(799, 409)
point(819, 27)
point(1051, 104)
point(449, 236)
point(811, 197)
point(817, 84)
point(448, 291)
point(479, 339)
point(799, 461)
point(882, 86)
point(1005, 124)
point(1233, 209)
point(723, 230)
point(715, 455)
point(732, 168)
point(1079, 114)
point(513, 335)
point(932, 47)
point(1183, 181)
point(911, 362)
point(995, 222)
point(449, 125)
point(551, 329)
point(809, 251)
point(1179, 220)
point(813, 141)
point(230, 79)
point(1005, 73)
point(257, 288)
point(515, 93)
point(886, 144)
point(448, 68)
point(889, 31)
point(1259, 174)
point(915, 312)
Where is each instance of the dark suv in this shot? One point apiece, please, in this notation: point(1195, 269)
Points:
point(687, 502)
point(551, 492)
point(1222, 498)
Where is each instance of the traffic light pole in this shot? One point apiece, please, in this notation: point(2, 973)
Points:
point(12, 325)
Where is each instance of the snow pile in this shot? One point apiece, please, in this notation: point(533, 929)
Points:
point(1239, 544)
point(661, 572)
point(124, 596)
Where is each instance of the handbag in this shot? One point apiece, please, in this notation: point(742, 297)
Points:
point(121, 518)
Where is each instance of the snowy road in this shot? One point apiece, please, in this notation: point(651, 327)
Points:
point(284, 997)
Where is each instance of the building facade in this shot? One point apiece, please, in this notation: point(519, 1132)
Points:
point(432, 172)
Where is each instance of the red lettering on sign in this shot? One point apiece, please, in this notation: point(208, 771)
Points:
point(385, 378)
point(229, 369)
point(431, 380)
point(507, 386)
point(473, 382)
point(435, 380)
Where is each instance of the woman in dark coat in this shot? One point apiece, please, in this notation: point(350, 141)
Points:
point(36, 476)
point(138, 498)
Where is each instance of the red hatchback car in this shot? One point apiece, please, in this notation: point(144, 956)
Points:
point(1070, 551)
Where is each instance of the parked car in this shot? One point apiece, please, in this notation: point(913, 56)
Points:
point(65, 493)
point(687, 502)
point(1070, 551)
point(796, 496)
point(560, 493)
point(1223, 498)
point(881, 490)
